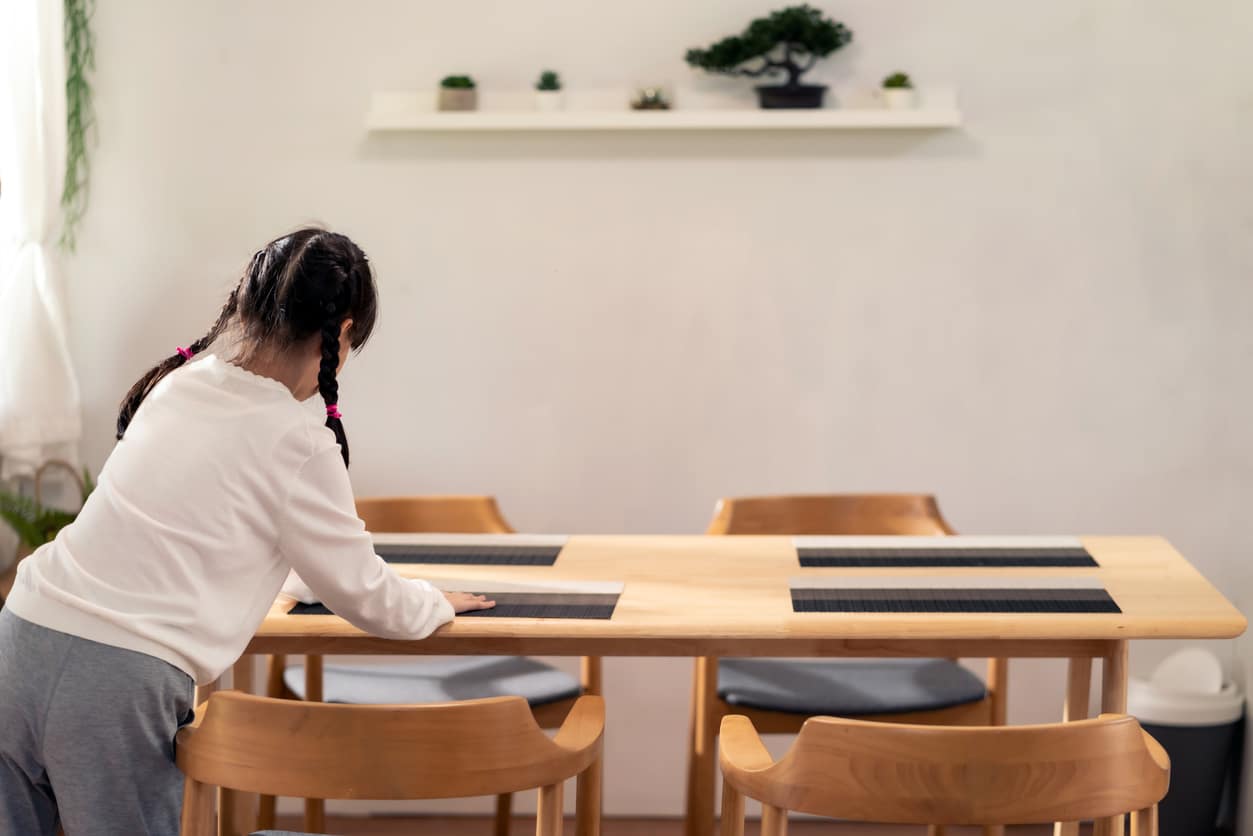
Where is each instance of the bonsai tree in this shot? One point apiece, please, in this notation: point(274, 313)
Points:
point(548, 81)
point(791, 41)
point(898, 81)
point(457, 82)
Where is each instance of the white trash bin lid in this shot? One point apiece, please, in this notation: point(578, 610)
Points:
point(1186, 689)
point(1150, 704)
point(1193, 669)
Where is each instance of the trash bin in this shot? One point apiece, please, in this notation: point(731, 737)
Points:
point(1197, 718)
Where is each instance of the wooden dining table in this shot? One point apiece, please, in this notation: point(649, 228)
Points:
point(692, 596)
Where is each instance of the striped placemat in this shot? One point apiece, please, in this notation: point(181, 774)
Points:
point(470, 549)
point(942, 552)
point(946, 594)
point(555, 599)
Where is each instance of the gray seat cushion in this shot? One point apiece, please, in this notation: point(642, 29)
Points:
point(847, 688)
point(439, 680)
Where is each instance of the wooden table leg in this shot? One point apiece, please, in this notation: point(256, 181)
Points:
point(1113, 701)
point(237, 811)
point(702, 765)
point(1078, 687)
point(240, 808)
point(203, 692)
point(223, 802)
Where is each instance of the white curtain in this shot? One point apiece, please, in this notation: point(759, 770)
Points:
point(39, 403)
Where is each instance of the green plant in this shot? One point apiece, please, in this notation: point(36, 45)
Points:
point(36, 523)
point(898, 81)
point(791, 40)
point(548, 80)
point(80, 59)
point(457, 82)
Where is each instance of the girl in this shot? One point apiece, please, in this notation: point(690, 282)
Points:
point(221, 484)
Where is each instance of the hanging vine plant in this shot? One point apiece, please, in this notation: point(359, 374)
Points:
point(80, 59)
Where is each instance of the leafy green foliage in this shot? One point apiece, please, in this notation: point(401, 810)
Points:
point(80, 59)
point(548, 80)
point(457, 82)
point(35, 523)
point(777, 41)
point(898, 81)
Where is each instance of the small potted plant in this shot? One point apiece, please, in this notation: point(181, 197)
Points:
point(898, 92)
point(457, 92)
point(32, 521)
point(791, 40)
point(548, 95)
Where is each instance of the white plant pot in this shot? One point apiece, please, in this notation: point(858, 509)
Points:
point(458, 98)
point(898, 98)
point(549, 101)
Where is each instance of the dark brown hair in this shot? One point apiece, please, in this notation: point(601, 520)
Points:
point(294, 288)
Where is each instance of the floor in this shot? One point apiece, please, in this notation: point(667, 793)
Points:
point(477, 826)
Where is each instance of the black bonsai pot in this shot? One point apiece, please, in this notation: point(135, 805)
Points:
point(791, 95)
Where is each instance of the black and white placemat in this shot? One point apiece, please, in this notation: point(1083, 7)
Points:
point(948, 594)
point(957, 551)
point(470, 549)
point(555, 599)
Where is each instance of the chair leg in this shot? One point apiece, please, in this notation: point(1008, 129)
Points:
point(197, 818)
point(504, 814)
point(315, 815)
point(732, 823)
point(1144, 822)
point(701, 764)
point(275, 667)
point(548, 815)
point(935, 830)
point(275, 689)
point(773, 821)
point(315, 808)
point(266, 811)
point(591, 675)
point(587, 798)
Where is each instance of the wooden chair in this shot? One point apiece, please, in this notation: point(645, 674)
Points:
point(551, 693)
point(453, 750)
point(778, 694)
point(905, 774)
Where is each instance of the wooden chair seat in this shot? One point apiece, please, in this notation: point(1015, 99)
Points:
point(847, 688)
point(912, 774)
point(383, 752)
point(440, 680)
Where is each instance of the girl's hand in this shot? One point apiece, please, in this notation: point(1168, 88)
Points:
point(466, 602)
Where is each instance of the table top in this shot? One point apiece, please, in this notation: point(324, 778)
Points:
point(729, 596)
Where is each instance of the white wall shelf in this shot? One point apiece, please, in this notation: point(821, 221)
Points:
point(666, 120)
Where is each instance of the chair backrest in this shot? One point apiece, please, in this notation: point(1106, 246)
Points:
point(867, 514)
point(908, 774)
point(444, 750)
point(437, 514)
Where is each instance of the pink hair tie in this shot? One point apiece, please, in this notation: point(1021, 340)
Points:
point(186, 352)
point(332, 411)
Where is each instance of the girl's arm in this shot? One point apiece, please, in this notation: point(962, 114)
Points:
point(325, 542)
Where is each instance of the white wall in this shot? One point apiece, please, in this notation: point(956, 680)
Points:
point(1042, 317)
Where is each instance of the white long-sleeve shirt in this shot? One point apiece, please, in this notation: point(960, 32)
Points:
point(223, 484)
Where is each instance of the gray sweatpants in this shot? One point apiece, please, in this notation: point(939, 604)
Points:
point(87, 736)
